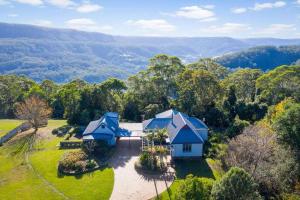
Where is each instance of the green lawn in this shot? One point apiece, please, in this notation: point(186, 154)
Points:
point(17, 181)
point(207, 168)
point(8, 124)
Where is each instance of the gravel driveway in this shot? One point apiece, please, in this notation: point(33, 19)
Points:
point(128, 183)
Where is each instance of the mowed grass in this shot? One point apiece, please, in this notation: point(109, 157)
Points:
point(7, 125)
point(17, 181)
point(207, 168)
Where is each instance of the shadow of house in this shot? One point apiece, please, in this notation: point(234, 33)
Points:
point(198, 167)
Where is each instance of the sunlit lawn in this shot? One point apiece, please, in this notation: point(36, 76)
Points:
point(207, 168)
point(8, 124)
point(17, 181)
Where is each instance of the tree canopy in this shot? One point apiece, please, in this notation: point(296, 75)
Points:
point(235, 184)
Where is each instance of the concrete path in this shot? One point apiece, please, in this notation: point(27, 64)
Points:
point(128, 183)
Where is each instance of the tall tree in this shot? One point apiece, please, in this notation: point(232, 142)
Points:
point(198, 90)
point(34, 110)
point(278, 84)
point(210, 65)
point(257, 151)
point(287, 125)
point(193, 188)
point(235, 184)
point(243, 81)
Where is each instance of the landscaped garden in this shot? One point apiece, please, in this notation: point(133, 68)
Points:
point(37, 177)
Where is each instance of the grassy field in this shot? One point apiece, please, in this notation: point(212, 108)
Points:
point(19, 181)
point(7, 125)
point(207, 168)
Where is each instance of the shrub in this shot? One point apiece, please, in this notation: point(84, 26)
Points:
point(237, 127)
point(148, 161)
point(61, 131)
point(215, 147)
point(194, 188)
point(102, 148)
point(79, 166)
point(72, 161)
point(235, 184)
point(91, 164)
point(251, 111)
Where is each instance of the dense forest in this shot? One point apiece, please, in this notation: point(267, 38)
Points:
point(62, 55)
point(253, 115)
point(264, 58)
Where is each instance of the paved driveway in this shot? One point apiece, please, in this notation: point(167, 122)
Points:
point(128, 183)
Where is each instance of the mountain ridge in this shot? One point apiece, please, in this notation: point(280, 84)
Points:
point(64, 54)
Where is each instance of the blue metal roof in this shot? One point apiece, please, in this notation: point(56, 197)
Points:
point(93, 125)
point(197, 123)
point(169, 114)
point(123, 133)
point(156, 123)
point(181, 128)
point(186, 135)
point(111, 120)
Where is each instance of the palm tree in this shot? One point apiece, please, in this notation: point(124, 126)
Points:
point(151, 137)
point(161, 135)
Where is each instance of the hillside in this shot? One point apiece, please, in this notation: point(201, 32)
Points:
point(265, 58)
point(64, 54)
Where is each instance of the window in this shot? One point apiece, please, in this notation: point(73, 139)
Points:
point(187, 148)
point(102, 125)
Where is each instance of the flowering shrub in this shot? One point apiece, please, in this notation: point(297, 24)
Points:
point(73, 161)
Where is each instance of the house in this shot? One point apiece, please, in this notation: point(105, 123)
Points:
point(105, 129)
point(187, 135)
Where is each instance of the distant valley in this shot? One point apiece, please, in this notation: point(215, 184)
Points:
point(63, 54)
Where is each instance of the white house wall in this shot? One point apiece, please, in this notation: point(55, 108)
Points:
point(196, 151)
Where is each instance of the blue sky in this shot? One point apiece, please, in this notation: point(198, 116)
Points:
point(234, 18)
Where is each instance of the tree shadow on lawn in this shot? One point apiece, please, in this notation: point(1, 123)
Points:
point(199, 168)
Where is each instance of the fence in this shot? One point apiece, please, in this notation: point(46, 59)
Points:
point(70, 144)
point(23, 127)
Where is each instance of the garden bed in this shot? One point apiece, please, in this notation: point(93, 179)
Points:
point(150, 164)
point(145, 170)
point(78, 162)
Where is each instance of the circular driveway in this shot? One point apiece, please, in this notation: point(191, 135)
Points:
point(129, 184)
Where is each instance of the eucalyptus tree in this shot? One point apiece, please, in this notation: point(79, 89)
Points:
point(243, 81)
point(210, 65)
point(197, 90)
point(279, 83)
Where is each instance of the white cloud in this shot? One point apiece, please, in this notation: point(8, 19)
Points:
point(211, 19)
point(31, 2)
point(228, 28)
point(4, 2)
point(43, 23)
point(262, 6)
point(209, 6)
point(239, 10)
point(275, 29)
point(195, 12)
point(13, 15)
point(85, 24)
point(158, 25)
point(62, 3)
point(88, 7)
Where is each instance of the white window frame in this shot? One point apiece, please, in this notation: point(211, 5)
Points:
point(186, 148)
